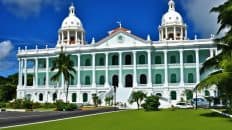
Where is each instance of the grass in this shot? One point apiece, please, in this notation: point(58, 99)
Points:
point(140, 120)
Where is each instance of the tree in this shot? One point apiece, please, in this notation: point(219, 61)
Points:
point(95, 100)
point(65, 67)
point(137, 97)
point(223, 61)
point(151, 103)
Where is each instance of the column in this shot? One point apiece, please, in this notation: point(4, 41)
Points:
point(62, 42)
point(197, 66)
point(174, 33)
point(166, 33)
point(181, 33)
point(162, 34)
point(134, 70)
point(181, 67)
point(47, 72)
point(107, 69)
point(93, 70)
point(166, 67)
point(120, 70)
point(211, 52)
point(59, 38)
point(82, 38)
point(149, 68)
point(79, 71)
point(19, 73)
point(25, 72)
point(68, 37)
point(186, 33)
point(76, 40)
point(36, 72)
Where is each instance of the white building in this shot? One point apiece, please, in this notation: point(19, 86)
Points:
point(167, 67)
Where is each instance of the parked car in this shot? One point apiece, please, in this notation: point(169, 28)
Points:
point(201, 102)
point(183, 105)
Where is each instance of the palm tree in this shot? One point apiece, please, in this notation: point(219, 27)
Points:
point(65, 67)
point(223, 61)
point(137, 97)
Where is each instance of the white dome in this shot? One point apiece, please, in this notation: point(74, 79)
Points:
point(71, 22)
point(172, 17)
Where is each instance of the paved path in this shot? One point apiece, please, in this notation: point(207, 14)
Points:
point(19, 118)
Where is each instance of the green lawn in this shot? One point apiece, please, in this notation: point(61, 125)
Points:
point(140, 120)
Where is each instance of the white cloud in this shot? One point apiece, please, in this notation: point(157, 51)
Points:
point(25, 8)
point(5, 49)
point(198, 11)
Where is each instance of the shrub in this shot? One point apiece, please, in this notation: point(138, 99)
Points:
point(48, 105)
point(151, 103)
point(60, 105)
point(17, 104)
point(27, 104)
point(2, 105)
point(36, 105)
point(71, 107)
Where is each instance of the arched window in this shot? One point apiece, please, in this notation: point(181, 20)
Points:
point(173, 95)
point(173, 59)
point(190, 59)
point(173, 78)
point(74, 97)
point(158, 60)
point(85, 97)
point(158, 79)
point(128, 60)
point(190, 78)
point(207, 93)
point(143, 79)
point(40, 97)
point(129, 80)
point(87, 80)
point(159, 94)
point(28, 97)
point(54, 96)
point(142, 59)
point(102, 80)
point(189, 94)
point(114, 60)
point(87, 62)
point(101, 61)
point(115, 80)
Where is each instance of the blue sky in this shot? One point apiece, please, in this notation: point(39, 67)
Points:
point(31, 22)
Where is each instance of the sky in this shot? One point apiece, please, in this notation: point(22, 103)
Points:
point(36, 22)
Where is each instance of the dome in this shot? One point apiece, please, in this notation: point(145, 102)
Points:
point(71, 22)
point(172, 17)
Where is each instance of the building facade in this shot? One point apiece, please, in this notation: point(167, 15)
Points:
point(168, 67)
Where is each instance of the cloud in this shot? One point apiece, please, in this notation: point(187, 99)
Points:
point(5, 49)
point(26, 8)
point(198, 11)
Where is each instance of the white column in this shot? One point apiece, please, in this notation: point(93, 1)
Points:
point(181, 67)
point(149, 68)
point(68, 37)
point(59, 38)
point(36, 72)
point(166, 67)
point(25, 72)
point(186, 33)
point(107, 69)
point(197, 66)
point(47, 72)
point(19, 72)
point(76, 40)
point(82, 38)
point(134, 70)
point(162, 34)
point(93, 70)
point(174, 33)
point(79, 71)
point(62, 34)
point(181, 33)
point(120, 70)
point(166, 33)
point(211, 52)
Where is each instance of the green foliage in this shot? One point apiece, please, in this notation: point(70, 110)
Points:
point(137, 97)
point(2, 105)
point(109, 100)
point(95, 99)
point(71, 107)
point(62, 106)
point(151, 103)
point(27, 104)
point(48, 105)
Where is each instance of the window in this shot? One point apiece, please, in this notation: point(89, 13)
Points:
point(158, 60)
point(173, 59)
point(189, 94)
point(74, 97)
point(159, 94)
point(190, 78)
point(40, 97)
point(129, 81)
point(128, 60)
point(85, 97)
point(115, 80)
point(87, 62)
point(173, 78)
point(190, 59)
point(101, 61)
point(143, 79)
point(115, 60)
point(102, 80)
point(87, 80)
point(141, 59)
point(207, 93)
point(54, 96)
point(173, 95)
point(158, 79)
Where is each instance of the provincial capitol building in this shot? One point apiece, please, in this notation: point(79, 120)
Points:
point(167, 68)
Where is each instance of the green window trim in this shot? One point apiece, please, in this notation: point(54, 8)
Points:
point(102, 80)
point(114, 60)
point(173, 59)
point(87, 62)
point(173, 95)
point(85, 97)
point(40, 97)
point(74, 97)
point(158, 60)
point(190, 59)
point(101, 61)
point(173, 78)
point(190, 78)
point(142, 59)
point(207, 93)
point(158, 79)
point(87, 80)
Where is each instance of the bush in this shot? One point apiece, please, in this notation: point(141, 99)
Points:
point(36, 105)
point(60, 105)
point(151, 103)
point(48, 105)
point(2, 105)
point(17, 104)
point(71, 107)
point(27, 104)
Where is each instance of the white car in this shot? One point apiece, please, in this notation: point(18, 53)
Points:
point(183, 105)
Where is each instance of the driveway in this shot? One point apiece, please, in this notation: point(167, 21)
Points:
point(18, 118)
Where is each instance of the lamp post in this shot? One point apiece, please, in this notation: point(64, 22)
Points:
point(196, 100)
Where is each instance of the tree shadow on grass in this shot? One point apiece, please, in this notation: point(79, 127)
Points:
point(212, 114)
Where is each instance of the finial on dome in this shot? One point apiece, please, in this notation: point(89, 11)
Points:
point(171, 4)
point(72, 9)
